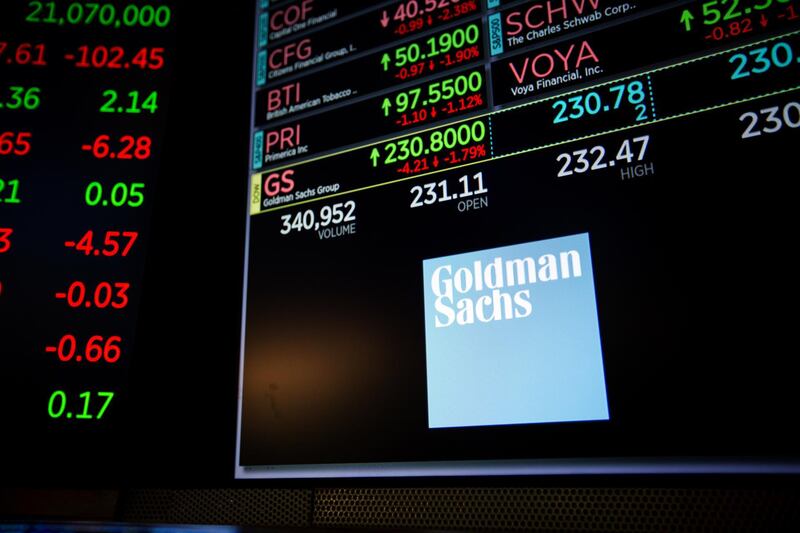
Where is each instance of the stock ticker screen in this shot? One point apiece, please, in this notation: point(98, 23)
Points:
point(484, 230)
point(83, 93)
point(326, 238)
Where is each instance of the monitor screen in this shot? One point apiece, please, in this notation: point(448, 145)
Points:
point(517, 237)
point(85, 91)
point(316, 239)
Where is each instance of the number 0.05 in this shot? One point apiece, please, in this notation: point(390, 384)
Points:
point(117, 195)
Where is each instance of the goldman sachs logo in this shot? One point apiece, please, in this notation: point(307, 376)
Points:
point(498, 289)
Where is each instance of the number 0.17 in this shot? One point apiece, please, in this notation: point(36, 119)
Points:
point(57, 406)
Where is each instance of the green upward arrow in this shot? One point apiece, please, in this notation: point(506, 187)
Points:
point(387, 105)
point(686, 19)
point(375, 155)
point(385, 60)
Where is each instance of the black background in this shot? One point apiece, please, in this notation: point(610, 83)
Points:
point(689, 271)
point(184, 387)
